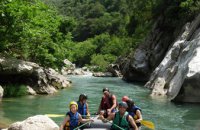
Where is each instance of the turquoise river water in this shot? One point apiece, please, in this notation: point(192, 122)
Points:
point(164, 114)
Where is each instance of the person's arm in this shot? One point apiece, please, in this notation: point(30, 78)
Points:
point(88, 112)
point(109, 118)
point(87, 109)
point(132, 122)
point(67, 118)
point(114, 104)
point(139, 115)
point(84, 120)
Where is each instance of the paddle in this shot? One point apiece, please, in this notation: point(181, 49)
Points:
point(54, 115)
point(148, 124)
point(81, 125)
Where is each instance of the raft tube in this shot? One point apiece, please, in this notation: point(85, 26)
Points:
point(98, 125)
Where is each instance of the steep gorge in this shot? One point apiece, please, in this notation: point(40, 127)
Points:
point(168, 61)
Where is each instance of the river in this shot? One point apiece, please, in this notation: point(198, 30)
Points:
point(164, 114)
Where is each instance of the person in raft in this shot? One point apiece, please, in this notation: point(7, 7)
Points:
point(73, 118)
point(121, 119)
point(133, 110)
point(83, 108)
point(108, 103)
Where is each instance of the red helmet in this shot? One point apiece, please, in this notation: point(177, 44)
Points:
point(125, 98)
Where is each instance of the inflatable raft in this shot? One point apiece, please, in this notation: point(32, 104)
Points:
point(97, 125)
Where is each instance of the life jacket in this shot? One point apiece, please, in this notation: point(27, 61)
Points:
point(120, 121)
point(73, 122)
point(132, 112)
point(82, 109)
point(106, 104)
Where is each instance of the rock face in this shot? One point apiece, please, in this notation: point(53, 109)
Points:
point(38, 122)
point(139, 65)
point(178, 75)
point(41, 80)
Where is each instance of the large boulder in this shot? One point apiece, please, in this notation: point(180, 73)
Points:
point(114, 69)
point(41, 80)
point(69, 64)
point(38, 122)
point(178, 75)
point(68, 68)
point(14, 66)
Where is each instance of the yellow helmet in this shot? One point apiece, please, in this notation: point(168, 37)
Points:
point(73, 103)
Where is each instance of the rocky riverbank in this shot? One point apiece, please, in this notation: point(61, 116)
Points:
point(113, 70)
point(37, 79)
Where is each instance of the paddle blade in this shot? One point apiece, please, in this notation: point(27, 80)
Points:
point(148, 124)
point(54, 115)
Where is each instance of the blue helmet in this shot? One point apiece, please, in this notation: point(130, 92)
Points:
point(123, 104)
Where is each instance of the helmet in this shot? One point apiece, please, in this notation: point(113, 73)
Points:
point(123, 104)
point(125, 98)
point(73, 103)
point(83, 96)
point(105, 89)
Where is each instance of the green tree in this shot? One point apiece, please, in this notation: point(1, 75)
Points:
point(102, 61)
point(30, 30)
point(83, 52)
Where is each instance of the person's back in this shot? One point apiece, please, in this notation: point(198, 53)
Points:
point(133, 110)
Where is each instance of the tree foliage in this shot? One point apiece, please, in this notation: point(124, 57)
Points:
point(83, 31)
point(30, 31)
